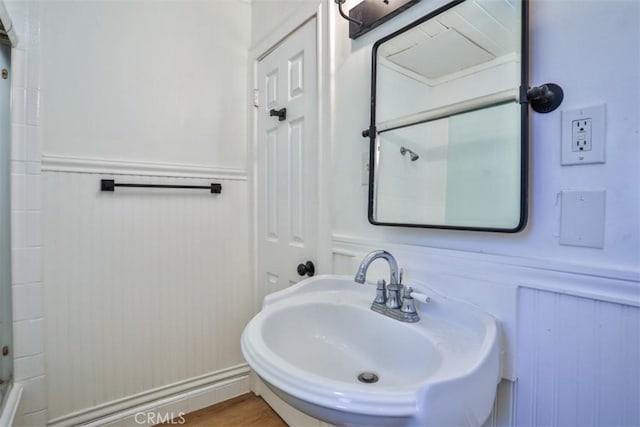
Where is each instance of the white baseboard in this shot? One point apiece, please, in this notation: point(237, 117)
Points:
point(11, 405)
point(178, 399)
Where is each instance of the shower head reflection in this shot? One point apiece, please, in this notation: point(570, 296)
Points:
point(414, 156)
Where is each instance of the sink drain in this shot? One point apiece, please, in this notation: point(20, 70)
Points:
point(368, 377)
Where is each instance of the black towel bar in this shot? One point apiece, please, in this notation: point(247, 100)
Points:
point(110, 185)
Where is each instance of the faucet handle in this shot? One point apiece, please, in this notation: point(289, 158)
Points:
point(420, 297)
point(381, 292)
point(401, 274)
point(407, 301)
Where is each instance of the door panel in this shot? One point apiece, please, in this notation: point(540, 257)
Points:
point(296, 182)
point(287, 160)
point(271, 91)
point(296, 75)
point(271, 181)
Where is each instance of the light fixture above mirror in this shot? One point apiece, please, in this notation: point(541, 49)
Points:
point(368, 14)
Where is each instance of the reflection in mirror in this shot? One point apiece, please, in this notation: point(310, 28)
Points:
point(449, 143)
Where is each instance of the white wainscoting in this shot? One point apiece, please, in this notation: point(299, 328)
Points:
point(571, 338)
point(578, 361)
point(145, 289)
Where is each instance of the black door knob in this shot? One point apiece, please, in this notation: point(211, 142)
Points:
point(281, 114)
point(307, 269)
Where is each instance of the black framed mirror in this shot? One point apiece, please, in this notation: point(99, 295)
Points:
point(449, 120)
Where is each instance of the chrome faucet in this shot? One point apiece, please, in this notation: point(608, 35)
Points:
point(394, 300)
point(366, 262)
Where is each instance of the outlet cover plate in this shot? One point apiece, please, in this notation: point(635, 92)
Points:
point(596, 115)
point(582, 218)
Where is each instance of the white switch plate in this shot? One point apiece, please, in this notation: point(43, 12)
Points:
point(583, 135)
point(582, 218)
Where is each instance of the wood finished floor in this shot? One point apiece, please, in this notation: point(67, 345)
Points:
point(247, 410)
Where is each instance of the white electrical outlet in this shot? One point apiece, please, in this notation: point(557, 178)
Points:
point(583, 135)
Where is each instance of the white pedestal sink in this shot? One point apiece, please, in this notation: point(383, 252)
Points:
point(310, 342)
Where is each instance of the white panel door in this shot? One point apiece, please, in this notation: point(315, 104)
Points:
point(287, 160)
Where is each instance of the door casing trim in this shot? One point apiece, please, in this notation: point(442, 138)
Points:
point(318, 10)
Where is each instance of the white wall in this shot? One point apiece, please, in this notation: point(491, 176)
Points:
point(160, 81)
point(268, 15)
point(555, 28)
point(609, 75)
point(146, 291)
point(491, 270)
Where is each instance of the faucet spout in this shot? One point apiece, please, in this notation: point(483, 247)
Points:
point(366, 262)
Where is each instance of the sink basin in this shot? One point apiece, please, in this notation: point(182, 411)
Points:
point(312, 341)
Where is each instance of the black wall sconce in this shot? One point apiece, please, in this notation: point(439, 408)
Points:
point(370, 13)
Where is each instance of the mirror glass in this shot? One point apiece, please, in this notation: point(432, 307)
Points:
point(448, 130)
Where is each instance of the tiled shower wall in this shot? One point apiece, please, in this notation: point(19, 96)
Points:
point(26, 240)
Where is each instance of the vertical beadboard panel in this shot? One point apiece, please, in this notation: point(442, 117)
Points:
point(578, 361)
point(143, 287)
